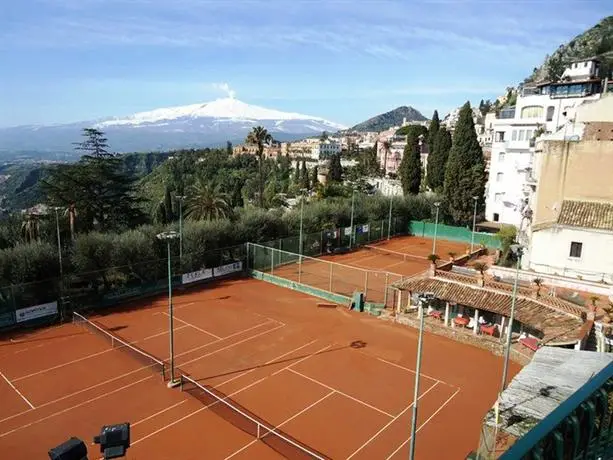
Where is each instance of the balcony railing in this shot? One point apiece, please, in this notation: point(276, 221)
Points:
point(579, 428)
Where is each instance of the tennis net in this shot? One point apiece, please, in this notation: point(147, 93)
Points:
point(395, 254)
point(117, 342)
point(248, 422)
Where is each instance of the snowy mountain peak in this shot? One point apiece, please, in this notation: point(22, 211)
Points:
point(226, 108)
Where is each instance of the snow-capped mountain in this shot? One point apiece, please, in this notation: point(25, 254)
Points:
point(195, 125)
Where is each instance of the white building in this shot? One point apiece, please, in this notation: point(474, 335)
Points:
point(540, 109)
point(323, 150)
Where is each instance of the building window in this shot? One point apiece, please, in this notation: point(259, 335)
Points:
point(550, 111)
point(499, 177)
point(528, 134)
point(514, 135)
point(498, 197)
point(499, 136)
point(532, 111)
point(496, 217)
point(575, 249)
point(520, 136)
point(501, 157)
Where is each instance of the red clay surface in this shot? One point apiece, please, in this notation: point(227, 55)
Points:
point(338, 381)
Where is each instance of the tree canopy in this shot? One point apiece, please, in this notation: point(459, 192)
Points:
point(410, 166)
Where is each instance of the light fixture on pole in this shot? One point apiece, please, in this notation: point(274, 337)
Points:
point(518, 251)
point(437, 205)
point(180, 198)
point(300, 247)
point(352, 206)
point(168, 237)
point(472, 238)
point(424, 302)
point(59, 241)
point(389, 218)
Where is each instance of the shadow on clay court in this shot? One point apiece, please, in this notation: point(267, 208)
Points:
point(14, 338)
point(356, 344)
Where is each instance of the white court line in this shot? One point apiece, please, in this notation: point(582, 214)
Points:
point(159, 334)
point(175, 308)
point(282, 423)
point(229, 346)
point(267, 362)
point(413, 372)
point(112, 379)
point(301, 360)
point(341, 393)
point(193, 326)
point(423, 424)
point(17, 391)
point(27, 425)
point(59, 366)
point(158, 413)
point(392, 421)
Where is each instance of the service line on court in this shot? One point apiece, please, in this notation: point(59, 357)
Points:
point(240, 390)
point(193, 326)
point(392, 421)
point(424, 424)
point(17, 391)
point(286, 421)
point(413, 372)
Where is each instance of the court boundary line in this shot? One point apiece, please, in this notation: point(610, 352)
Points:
point(412, 371)
point(388, 424)
point(364, 403)
point(17, 391)
point(157, 335)
point(112, 379)
point(63, 411)
point(158, 413)
point(284, 422)
point(193, 326)
point(424, 424)
point(226, 397)
point(174, 307)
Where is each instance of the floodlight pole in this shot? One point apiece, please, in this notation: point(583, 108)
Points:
point(180, 198)
point(437, 205)
point(168, 237)
point(517, 249)
point(59, 242)
point(352, 206)
point(472, 238)
point(389, 218)
point(422, 314)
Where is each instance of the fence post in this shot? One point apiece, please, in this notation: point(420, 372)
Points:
point(248, 265)
point(321, 242)
point(272, 261)
point(299, 268)
point(330, 286)
point(382, 225)
point(365, 284)
point(369, 225)
point(13, 298)
point(387, 280)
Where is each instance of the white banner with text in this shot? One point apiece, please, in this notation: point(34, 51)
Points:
point(37, 311)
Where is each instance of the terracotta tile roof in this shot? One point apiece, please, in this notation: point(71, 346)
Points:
point(586, 214)
point(559, 321)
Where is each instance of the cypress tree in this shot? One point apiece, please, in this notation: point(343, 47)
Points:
point(297, 173)
point(314, 179)
point(437, 160)
point(304, 176)
point(335, 170)
point(465, 172)
point(435, 125)
point(410, 166)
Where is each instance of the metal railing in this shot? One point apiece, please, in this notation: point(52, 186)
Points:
point(579, 428)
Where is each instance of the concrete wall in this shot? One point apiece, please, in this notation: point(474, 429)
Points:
point(573, 171)
point(551, 249)
point(599, 111)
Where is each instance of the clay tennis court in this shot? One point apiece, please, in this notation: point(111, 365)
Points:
point(338, 382)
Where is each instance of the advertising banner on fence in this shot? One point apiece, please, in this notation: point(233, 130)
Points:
point(7, 319)
point(199, 275)
point(227, 269)
point(365, 228)
point(37, 311)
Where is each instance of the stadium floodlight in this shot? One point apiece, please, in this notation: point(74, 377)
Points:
point(73, 449)
point(114, 440)
point(168, 237)
point(437, 205)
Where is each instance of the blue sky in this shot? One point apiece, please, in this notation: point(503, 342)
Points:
point(70, 60)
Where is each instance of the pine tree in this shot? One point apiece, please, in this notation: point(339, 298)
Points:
point(335, 170)
point(435, 125)
point(168, 213)
point(465, 172)
point(437, 160)
point(229, 148)
point(410, 166)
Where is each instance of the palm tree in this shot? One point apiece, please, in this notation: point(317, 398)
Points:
point(71, 211)
point(538, 282)
point(481, 267)
point(260, 136)
point(30, 228)
point(206, 202)
point(433, 258)
point(387, 148)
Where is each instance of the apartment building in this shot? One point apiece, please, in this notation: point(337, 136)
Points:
point(540, 109)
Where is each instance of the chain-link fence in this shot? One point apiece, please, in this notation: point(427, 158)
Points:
point(323, 274)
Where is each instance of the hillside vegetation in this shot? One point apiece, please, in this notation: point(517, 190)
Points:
point(389, 119)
